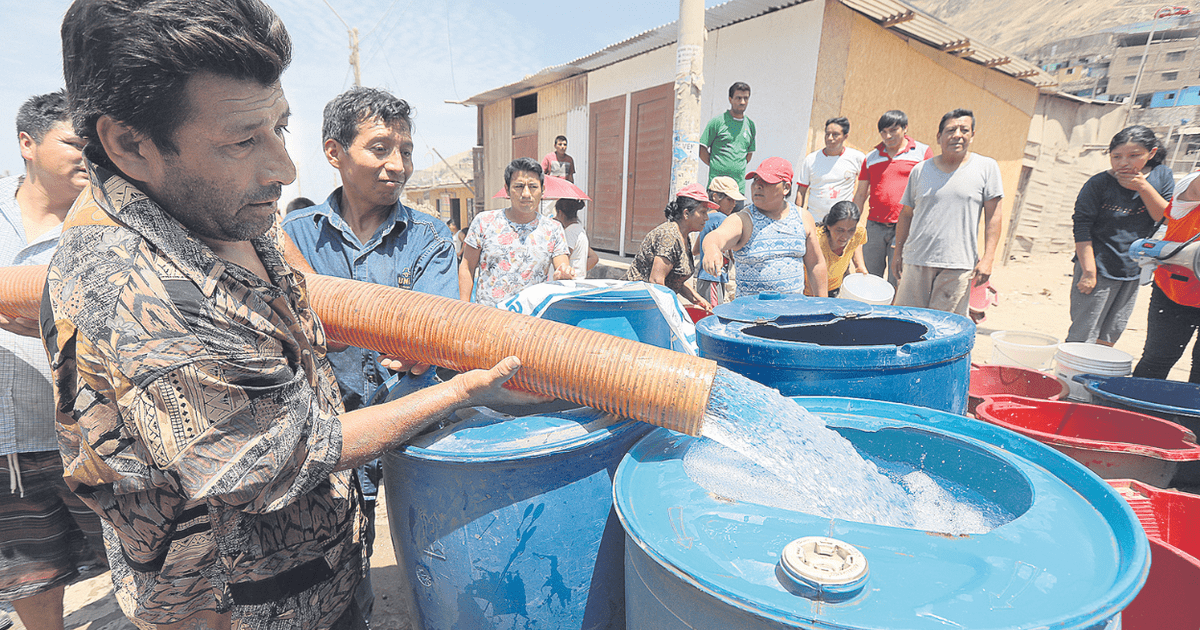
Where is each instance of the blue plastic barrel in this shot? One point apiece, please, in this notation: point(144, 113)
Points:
point(817, 346)
point(626, 314)
point(1070, 556)
point(506, 521)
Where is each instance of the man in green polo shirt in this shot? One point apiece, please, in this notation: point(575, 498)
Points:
point(728, 140)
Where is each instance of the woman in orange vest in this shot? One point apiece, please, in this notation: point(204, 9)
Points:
point(1175, 298)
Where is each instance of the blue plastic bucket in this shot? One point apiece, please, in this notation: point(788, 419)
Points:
point(506, 521)
point(815, 346)
point(1170, 400)
point(1175, 401)
point(626, 314)
point(1072, 555)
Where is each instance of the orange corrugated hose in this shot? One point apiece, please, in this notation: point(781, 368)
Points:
point(625, 378)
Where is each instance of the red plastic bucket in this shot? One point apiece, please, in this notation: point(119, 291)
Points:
point(1171, 519)
point(1113, 443)
point(991, 380)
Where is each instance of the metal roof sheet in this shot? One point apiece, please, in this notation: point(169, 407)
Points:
point(907, 20)
point(932, 31)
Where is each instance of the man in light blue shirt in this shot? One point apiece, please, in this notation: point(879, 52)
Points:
point(45, 531)
point(363, 232)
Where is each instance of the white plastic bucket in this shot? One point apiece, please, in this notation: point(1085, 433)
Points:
point(1089, 358)
point(1029, 350)
point(867, 288)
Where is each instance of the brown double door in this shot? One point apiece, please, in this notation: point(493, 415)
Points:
point(649, 170)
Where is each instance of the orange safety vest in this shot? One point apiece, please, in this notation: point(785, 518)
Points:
point(1179, 283)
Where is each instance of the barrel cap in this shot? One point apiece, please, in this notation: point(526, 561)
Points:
point(824, 568)
point(787, 310)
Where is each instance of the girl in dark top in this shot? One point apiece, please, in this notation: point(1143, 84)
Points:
point(1113, 209)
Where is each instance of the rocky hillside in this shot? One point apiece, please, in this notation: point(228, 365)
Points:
point(1020, 25)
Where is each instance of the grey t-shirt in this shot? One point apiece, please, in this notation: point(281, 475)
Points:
point(946, 210)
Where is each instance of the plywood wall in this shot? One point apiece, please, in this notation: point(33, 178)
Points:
point(497, 149)
point(881, 70)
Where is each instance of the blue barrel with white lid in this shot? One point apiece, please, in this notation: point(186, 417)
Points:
point(830, 347)
point(1066, 553)
point(504, 519)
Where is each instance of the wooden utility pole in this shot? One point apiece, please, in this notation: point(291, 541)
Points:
point(354, 56)
point(689, 80)
point(353, 44)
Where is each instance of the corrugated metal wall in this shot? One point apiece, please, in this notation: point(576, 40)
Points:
point(555, 102)
point(577, 143)
point(497, 149)
point(562, 110)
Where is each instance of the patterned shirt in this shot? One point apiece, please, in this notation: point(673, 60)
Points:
point(773, 258)
point(198, 416)
point(664, 242)
point(26, 397)
point(512, 255)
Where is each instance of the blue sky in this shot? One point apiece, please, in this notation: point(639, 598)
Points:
point(426, 51)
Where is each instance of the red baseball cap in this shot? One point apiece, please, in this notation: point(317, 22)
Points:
point(694, 191)
point(772, 170)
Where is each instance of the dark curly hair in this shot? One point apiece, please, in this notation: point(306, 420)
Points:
point(355, 106)
point(523, 165)
point(132, 59)
point(676, 209)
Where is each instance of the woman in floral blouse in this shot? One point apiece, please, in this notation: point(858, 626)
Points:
point(510, 249)
point(666, 254)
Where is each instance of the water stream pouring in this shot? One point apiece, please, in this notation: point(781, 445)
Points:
point(627, 379)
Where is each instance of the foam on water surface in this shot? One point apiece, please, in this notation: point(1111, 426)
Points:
point(787, 458)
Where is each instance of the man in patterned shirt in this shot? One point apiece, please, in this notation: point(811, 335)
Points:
point(45, 531)
point(198, 414)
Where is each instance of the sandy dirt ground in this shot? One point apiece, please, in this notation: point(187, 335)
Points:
point(1034, 296)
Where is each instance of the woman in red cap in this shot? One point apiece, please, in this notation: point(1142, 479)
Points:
point(774, 243)
point(666, 254)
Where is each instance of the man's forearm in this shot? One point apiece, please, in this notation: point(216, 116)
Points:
point(860, 198)
point(466, 277)
point(991, 234)
point(903, 224)
point(369, 431)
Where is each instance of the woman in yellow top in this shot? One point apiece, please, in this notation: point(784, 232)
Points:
point(841, 239)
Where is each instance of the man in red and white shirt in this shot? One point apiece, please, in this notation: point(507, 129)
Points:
point(883, 178)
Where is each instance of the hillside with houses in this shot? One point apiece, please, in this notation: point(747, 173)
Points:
point(1021, 26)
